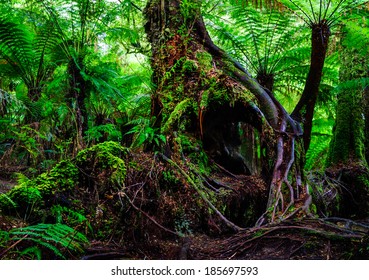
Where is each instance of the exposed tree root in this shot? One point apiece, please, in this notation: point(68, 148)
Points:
point(286, 240)
point(193, 184)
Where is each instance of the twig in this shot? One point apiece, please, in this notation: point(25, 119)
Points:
point(12, 246)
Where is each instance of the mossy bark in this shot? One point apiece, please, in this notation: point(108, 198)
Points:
point(76, 96)
point(346, 160)
point(366, 117)
point(348, 143)
point(205, 94)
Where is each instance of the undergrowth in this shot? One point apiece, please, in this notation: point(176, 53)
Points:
point(59, 240)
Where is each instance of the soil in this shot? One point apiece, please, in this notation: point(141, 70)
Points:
point(146, 235)
point(307, 239)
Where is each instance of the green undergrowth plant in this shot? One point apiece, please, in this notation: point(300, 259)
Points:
point(102, 162)
point(32, 194)
point(96, 133)
point(70, 217)
point(144, 134)
point(58, 240)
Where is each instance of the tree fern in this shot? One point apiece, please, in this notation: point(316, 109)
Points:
point(16, 48)
point(268, 43)
point(316, 11)
point(26, 53)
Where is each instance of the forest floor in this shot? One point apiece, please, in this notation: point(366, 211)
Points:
point(297, 238)
point(309, 239)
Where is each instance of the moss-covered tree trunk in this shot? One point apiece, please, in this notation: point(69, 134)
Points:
point(346, 160)
point(203, 94)
point(77, 95)
point(366, 118)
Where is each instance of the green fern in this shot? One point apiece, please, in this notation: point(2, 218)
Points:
point(55, 237)
point(268, 43)
point(26, 53)
point(31, 253)
point(315, 11)
point(320, 140)
point(70, 217)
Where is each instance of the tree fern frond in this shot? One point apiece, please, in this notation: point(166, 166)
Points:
point(16, 47)
point(319, 147)
point(315, 11)
point(263, 40)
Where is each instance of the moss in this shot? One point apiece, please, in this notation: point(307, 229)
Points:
point(205, 60)
point(104, 162)
point(20, 197)
point(229, 65)
point(170, 178)
point(189, 66)
point(349, 135)
point(175, 115)
point(192, 148)
point(62, 178)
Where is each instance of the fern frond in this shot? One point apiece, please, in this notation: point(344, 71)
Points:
point(16, 48)
point(55, 237)
point(318, 151)
point(31, 253)
point(320, 140)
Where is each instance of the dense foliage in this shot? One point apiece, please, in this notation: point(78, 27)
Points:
point(97, 138)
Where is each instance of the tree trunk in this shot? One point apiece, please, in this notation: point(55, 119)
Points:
point(77, 95)
point(202, 92)
point(346, 160)
point(304, 110)
point(366, 117)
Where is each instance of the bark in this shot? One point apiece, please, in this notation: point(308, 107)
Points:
point(347, 155)
point(202, 91)
point(348, 142)
point(266, 80)
point(77, 95)
point(304, 110)
point(366, 117)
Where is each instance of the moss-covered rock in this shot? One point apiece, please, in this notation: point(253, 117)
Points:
point(62, 178)
point(34, 193)
point(102, 165)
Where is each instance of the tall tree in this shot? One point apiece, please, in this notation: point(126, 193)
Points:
point(347, 156)
point(320, 16)
point(202, 92)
